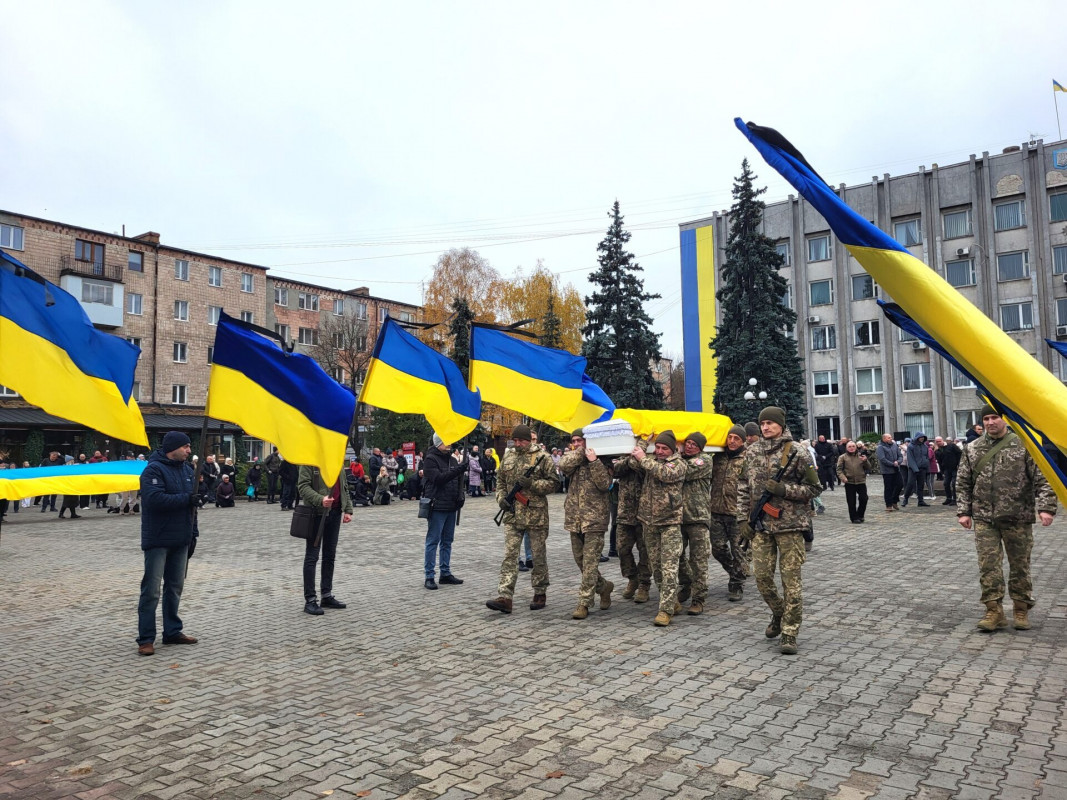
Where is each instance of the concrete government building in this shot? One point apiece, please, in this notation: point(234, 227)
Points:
point(995, 227)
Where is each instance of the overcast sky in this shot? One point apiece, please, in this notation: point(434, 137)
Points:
point(351, 143)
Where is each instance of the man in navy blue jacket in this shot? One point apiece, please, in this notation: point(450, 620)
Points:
point(168, 536)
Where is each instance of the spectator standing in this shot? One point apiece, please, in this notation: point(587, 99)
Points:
point(824, 455)
point(336, 505)
point(889, 460)
point(948, 460)
point(443, 487)
point(852, 469)
point(273, 464)
point(918, 465)
point(252, 479)
point(288, 474)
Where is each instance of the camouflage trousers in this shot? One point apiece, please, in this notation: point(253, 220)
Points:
point(729, 549)
point(693, 563)
point(630, 536)
point(587, 549)
point(664, 543)
point(993, 543)
point(509, 569)
point(782, 552)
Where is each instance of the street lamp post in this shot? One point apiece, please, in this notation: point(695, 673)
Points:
point(751, 395)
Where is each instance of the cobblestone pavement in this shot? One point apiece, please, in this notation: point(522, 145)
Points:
point(417, 694)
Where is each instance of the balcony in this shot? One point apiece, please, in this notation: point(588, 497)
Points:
point(69, 265)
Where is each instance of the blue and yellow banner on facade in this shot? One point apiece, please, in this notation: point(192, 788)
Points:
point(698, 317)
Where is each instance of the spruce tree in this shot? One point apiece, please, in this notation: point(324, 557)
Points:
point(752, 340)
point(460, 331)
point(551, 325)
point(619, 343)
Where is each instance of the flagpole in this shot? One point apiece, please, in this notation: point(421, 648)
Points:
point(1055, 100)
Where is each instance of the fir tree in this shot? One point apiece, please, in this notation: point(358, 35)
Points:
point(619, 343)
point(752, 340)
point(460, 331)
point(551, 325)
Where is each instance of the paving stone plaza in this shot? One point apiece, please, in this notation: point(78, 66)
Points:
point(417, 694)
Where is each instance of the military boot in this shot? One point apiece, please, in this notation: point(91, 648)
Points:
point(788, 645)
point(775, 628)
point(642, 595)
point(736, 593)
point(994, 617)
point(539, 602)
point(630, 590)
point(695, 608)
point(1020, 620)
point(683, 593)
point(581, 612)
point(502, 604)
point(662, 620)
point(677, 607)
point(605, 595)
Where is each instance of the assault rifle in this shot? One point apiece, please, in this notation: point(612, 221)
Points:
point(763, 506)
point(516, 493)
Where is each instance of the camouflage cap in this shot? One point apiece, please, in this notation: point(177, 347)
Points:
point(698, 439)
point(667, 438)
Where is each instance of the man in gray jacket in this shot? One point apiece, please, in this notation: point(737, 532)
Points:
point(918, 466)
point(888, 453)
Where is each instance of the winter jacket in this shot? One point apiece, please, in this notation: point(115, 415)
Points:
point(918, 454)
point(887, 454)
point(474, 474)
point(948, 458)
point(661, 493)
point(587, 508)
point(313, 490)
point(1008, 487)
point(931, 459)
point(800, 482)
point(541, 482)
point(850, 469)
point(726, 468)
point(629, 479)
point(696, 490)
point(167, 515)
point(442, 479)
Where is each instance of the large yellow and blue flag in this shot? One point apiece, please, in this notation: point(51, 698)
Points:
point(1057, 86)
point(595, 406)
point(540, 382)
point(645, 423)
point(51, 354)
point(102, 478)
point(284, 398)
point(1006, 372)
point(408, 377)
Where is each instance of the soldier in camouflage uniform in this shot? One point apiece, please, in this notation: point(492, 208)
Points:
point(587, 513)
point(628, 531)
point(696, 522)
point(660, 513)
point(727, 546)
point(996, 495)
point(781, 545)
point(524, 517)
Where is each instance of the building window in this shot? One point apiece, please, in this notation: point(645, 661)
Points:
point(825, 383)
point(361, 343)
point(869, 380)
point(361, 310)
point(830, 427)
point(213, 314)
point(383, 314)
point(405, 316)
point(181, 269)
point(134, 303)
point(863, 287)
point(1017, 316)
point(821, 293)
point(907, 233)
point(1008, 215)
point(338, 374)
point(915, 377)
point(309, 336)
point(782, 249)
point(960, 273)
point(868, 333)
point(1013, 266)
point(824, 337)
point(178, 394)
point(1057, 207)
point(957, 223)
point(965, 420)
point(787, 298)
point(819, 248)
point(214, 276)
point(1059, 260)
point(283, 331)
point(134, 340)
point(5, 392)
point(247, 316)
point(135, 261)
point(908, 337)
point(94, 292)
point(338, 340)
point(135, 393)
point(922, 422)
point(307, 301)
point(960, 381)
point(11, 237)
point(338, 307)
point(91, 253)
point(181, 352)
point(247, 283)
point(1061, 311)
point(181, 310)
point(281, 296)
point(211, 354)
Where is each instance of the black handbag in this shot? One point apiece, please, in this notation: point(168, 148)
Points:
point(425, 507)
point(305, 523)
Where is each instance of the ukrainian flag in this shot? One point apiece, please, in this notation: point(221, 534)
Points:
point(974, 342)
point(539, 382)
point(595, 406)
point(102, 478)
point(408, 377)
point(283, 398)
point(1057, 87)
point(51, 354)
point(645, 423)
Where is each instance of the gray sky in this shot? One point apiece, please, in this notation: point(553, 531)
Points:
point(351, 143)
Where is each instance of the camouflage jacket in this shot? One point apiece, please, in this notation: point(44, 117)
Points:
point(661, 493)
point(1007, 489)
point(587, 507)
point(629, 486)
point(725, 469)
point(542, 482)
point(851, 470)
point(696, 490)
point(801, 482)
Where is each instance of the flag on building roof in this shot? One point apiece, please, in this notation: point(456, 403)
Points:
point(409, 377)
point(51, 354)
point(104, 477)
point(537, 381)
point(595, 406)
point(283, 398)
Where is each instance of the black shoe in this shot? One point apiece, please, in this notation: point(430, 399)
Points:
point(921, 504)
point(450, 580)
point(75, 516)
point(313, 608)
point(603, 559)
point(949, 502)
point(430, 584)
point(523, 567)
point(613, 553)
point(904, 503)
point(332, 602)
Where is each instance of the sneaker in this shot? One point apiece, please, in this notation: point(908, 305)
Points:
point(312, 607)
point(450, 580)
point(430, 584)
point(523, 567)
point(332, 602)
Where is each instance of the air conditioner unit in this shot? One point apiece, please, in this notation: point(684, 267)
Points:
point(861, 407)
point(875, 407)
point(1061, 330)
point(918, 345)
point(814, 319)
point(963, 251)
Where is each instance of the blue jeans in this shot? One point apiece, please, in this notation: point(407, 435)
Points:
point(526, 545)
point(440, 531)
point(166, 564)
